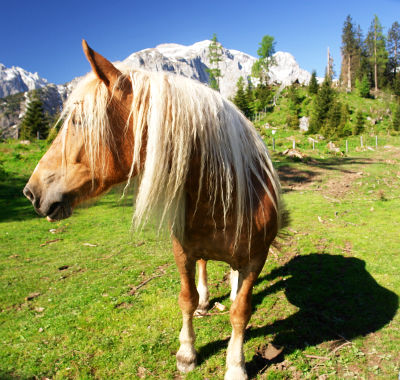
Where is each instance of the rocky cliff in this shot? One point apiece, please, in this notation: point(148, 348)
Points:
point(190, 61)
point(15, 79)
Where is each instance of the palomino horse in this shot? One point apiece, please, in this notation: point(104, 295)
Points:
point(200, 164)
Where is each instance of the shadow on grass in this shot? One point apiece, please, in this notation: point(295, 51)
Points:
point(290, 174)
point(337, 300)
point(13, 205)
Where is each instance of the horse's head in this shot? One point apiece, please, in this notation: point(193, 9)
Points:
point(90, 153)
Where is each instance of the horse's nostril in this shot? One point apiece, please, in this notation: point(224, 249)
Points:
point(32, 197)
point(28, 194)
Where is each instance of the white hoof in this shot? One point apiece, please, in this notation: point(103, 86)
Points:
point(202, 309)
point(186, 359)
point(236, 373)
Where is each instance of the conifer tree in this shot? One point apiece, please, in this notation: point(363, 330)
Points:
point(396, 118)
point(363, 64)
point(393, 46)
point(363, 86)
point(321, 106)
point(396, 86)
point(35, 122)
point(250, 98)
point(215, 57)
point(294, 101)
point(359, 124)
point(343, 129)
point(263, 95)
point(240, 98)
point(333, 118)
point(350, 52)
point(313, 85)
point(376, 46)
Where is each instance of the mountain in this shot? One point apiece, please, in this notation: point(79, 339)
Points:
point(192, 62)
point(15, 79)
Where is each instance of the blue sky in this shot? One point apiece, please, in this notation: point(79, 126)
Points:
point(45, 36)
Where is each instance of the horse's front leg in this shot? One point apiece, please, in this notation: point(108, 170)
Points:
point(188, 301)
point(240, 313)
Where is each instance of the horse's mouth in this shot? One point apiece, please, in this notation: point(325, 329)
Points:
point(58, 211)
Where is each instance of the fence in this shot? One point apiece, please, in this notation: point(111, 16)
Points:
point(356, 143)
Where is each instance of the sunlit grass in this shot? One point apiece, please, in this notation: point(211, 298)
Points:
point(335, 279)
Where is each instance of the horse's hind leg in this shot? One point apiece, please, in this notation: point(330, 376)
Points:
point(188, 301)
point(240, 315)
point(202, 288)
point(235, 285)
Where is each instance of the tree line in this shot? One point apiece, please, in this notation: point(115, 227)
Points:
point(372, 59)
point(370, 64)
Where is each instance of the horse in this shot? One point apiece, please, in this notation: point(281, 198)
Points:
point(200, 167)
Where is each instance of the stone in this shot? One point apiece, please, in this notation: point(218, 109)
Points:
point(304, 123)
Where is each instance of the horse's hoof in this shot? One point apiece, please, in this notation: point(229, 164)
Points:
point(236, 373)
point(186, 360)
point(201, 310)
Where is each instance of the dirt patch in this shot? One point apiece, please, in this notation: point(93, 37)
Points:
point(293, 178)
point(298, 179)
point(339, 187)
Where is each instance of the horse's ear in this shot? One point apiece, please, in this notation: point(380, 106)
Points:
point(102, 67)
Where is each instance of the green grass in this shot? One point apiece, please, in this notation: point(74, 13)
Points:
point(329, 296)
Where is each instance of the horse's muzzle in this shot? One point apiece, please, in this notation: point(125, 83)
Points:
point(53, 210)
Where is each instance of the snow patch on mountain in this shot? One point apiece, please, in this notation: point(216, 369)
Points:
point(192, 62)
point(16, 79)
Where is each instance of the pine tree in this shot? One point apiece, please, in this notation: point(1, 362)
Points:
point(363, 86)
point(321, 106)
point(250, 98)
point(35, 123)
point(396, 86)
point(333, 119)
point(265, 61)
point(363, 63)
point(393, 46)
point(294, 101)
point(350, 52)
point(343, 129)
point(376, 46)
point(263, 96)
point(240, 98)
point(359, 124)
point(396, 118)
point(215, 57)
point(313, 85)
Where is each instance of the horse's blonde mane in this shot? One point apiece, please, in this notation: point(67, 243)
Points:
point(178, 114)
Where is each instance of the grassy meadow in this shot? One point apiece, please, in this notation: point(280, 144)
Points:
point(85, 298)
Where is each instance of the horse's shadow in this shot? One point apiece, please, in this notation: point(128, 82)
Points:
point(337, 299)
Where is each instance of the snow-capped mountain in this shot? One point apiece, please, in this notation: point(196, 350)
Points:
point(192, 61)
point(16, 79)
